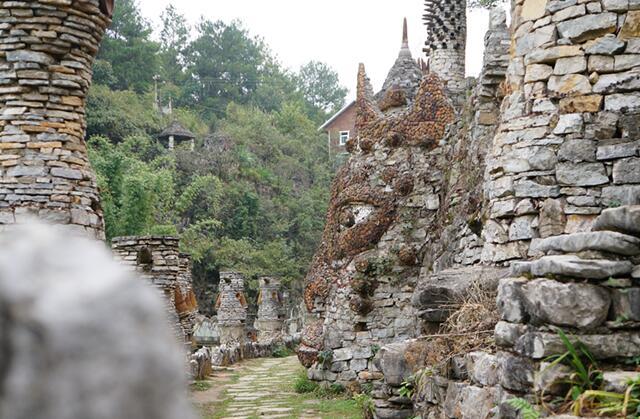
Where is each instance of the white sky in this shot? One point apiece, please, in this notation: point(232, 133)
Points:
point(341, 33)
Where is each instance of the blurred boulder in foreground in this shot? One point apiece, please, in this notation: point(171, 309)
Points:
point(79, 337)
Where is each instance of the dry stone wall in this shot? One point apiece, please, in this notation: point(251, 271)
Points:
point(567, 146)
point(157, 260)
point(48, 48)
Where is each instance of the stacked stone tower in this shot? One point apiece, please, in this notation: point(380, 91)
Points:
point(158, 260)
point(232, 308)
point(446, 22)
point(45, 72)
point(269, 323)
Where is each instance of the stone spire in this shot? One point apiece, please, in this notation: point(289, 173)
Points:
point(405, 39)
point(406, 74)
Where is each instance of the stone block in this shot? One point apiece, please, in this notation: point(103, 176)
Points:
point(626, 304)
point(569, 85)
point(539, 345)
point(580, 104)
point(570, 65)
point(483, 368)
point(510, 303)
point(533, 9)
point(618, 82)
point(588, 27)
point(631, 27)
point(583, 306)
point(516, 373)
point(628, 102)
point(602, 241)
point(575, 267)
point(607, 45)
point(626, 171)
point(624, 219)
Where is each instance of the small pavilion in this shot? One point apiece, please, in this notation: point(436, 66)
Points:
point(175, 134)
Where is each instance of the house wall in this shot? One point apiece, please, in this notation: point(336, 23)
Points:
point(345, 122)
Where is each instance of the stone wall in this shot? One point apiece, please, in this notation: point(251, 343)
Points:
point(566, 150)
point(446, 22)
point(48, 49)
point(567, 143)
point(157, 259)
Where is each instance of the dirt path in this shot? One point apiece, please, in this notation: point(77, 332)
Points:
point(263, 388)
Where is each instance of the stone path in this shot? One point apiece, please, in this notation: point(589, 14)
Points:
point(262, 391)
point(263, 388)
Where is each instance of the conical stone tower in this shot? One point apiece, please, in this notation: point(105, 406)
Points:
point(446, 22)
point(45, 73)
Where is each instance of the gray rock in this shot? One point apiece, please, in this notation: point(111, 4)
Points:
point(588, 27)
point(582, 174)
point(607, 45)
point(477, 402)
point(391, 362)
point(618, 82)
point(507, 334)
point(539, 345)
point(617, 151)
point(628, 102)
point(516, 373)
point(552, 217)
point(552, 379)
point(621, 195)
point(604, 241)
point(577, 151)
point(29, 56)
point(509, 301)
point(569, 123)
point(617, 381)
point(626, 171)
point(583, 306)
point(482, 368)
point(80, 337)
point(623, 219)
point(626, 304)
point(573, 266)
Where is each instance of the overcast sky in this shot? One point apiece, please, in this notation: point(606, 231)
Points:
point(341, 33)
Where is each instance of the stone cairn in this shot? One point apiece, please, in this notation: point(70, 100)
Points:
point(45, 72)
point(446, 22)
point(269, 323)
point(157, 260)
point(232, 309)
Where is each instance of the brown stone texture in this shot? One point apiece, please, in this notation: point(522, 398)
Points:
point(48, 48)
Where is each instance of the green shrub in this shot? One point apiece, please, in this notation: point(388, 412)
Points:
point(281, 351)
point(304, 385)
point(365, 404)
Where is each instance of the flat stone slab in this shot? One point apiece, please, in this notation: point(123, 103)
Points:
point(603, 241)
point(623, 219)
point(616, 381)
point(575, 267)
point(540, 345)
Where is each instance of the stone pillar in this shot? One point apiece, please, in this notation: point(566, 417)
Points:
point(157, 259)
point(171, 142)
point(446, 22)
point(45, 72)
point(269, 322)
point(232, 308)
point(567, 143)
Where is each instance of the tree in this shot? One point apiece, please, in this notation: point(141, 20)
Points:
point(225, 63)
point(129, 49)
point(320, 86)
point(174, 39)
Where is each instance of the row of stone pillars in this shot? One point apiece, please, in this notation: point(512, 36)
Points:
point(231, 306)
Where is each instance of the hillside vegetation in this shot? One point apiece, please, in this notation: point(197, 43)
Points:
point(253, 195)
